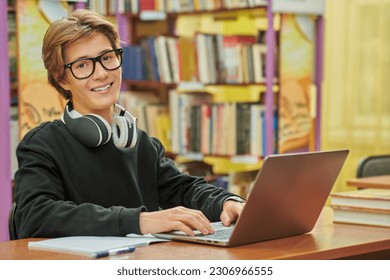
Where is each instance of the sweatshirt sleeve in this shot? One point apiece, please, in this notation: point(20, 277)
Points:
point(42, 207)
point(178, 188)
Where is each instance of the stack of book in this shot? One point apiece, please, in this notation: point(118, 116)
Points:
point(363, 206)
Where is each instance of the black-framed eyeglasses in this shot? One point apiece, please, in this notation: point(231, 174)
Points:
point(83, 68)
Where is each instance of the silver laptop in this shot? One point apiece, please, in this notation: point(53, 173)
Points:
point(286, 199)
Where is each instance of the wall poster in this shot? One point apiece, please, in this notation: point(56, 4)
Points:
point(297, 40)
point(38, 101)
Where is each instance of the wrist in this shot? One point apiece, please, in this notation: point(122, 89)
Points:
point(235, 198)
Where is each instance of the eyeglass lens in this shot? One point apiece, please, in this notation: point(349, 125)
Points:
point(84, 68)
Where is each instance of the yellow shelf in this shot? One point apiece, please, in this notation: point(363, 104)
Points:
point(229, 22)
point(227, 92)
point(237, 93)
point(224, 165)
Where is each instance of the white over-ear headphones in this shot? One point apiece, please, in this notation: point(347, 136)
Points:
point(92, 130)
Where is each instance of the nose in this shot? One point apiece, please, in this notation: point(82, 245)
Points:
point(99, 72)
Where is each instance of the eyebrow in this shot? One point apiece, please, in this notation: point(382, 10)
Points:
point(87, 57)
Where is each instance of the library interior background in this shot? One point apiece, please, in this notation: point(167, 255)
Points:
point(316, 81)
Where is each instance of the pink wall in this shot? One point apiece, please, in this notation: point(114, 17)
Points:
point(5, 158)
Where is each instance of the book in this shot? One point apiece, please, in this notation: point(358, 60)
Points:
point(365, 198)
point(205, 129)
point(163, 128)
point(147, 5)
point(52, 10)
point(231, 47)
point(214, 128)
point(163, 60)
point(232, 129)
point(172, 48)
point(195, 128)
point(136, 101)
point(218, 129)
point(150, 52)
point(94, 246)
point(174, 115)
point(258, 54)
point(202, 58)
point(133, 63)
point(187, 59)
point(256, 129)
point(158, 123)
point(242, 128)
point(366, 206)
point(180, 105)
point(362, 216)
point(222, 128)
point(374, 182)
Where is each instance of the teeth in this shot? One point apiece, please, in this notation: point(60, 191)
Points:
point(101, 88)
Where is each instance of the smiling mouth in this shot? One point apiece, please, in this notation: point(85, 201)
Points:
point(102, 88)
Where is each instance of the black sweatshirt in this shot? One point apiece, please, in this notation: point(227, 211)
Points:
point(63, 188)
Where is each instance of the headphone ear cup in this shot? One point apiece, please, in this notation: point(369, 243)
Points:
point(104, 127)
point(90, 130)
point(122, 132)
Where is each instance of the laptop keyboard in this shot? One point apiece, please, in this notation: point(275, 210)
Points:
point(221, 234)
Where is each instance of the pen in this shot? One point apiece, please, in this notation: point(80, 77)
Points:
point(113, 252)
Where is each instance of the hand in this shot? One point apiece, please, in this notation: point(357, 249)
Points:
point(231, 211)
point(178, 218)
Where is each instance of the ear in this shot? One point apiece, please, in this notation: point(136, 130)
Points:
point(64, 84)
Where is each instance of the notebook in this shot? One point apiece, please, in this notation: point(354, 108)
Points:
point(95, 246)
point(286, 199)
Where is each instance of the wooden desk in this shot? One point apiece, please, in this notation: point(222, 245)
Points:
point(326, 241)
point(377, 182)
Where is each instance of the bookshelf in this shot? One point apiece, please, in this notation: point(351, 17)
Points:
point(172, 24)
point(155, 19)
